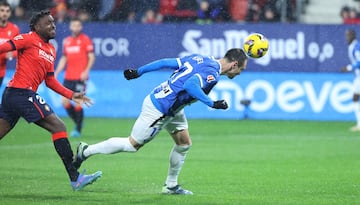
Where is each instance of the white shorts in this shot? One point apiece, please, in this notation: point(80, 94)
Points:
point(356, 85)
point(151, 121)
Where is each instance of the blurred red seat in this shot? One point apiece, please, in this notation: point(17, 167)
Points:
point(238, 9)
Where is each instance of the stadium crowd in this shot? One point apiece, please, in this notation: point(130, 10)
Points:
point(350, 14)
point(159, 11)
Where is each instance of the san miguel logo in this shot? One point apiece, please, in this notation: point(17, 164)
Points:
point(46, 56)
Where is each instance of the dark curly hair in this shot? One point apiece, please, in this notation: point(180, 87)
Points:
point(36, 17)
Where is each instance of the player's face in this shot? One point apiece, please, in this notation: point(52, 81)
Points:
point(349, 37)
point(5, 13)
point(236, 69)
point(46, 28)
point(75, 27)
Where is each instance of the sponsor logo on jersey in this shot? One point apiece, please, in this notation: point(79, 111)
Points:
point(46, 56)
point(210, 78)
point(72, 49)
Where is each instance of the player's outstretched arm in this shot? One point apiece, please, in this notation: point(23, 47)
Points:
point(77, 97)
point(7, 46)
point(193, 87)
point(170, 63)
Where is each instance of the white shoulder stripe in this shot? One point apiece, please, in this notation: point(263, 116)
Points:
point(179, 62)
point(200, 79)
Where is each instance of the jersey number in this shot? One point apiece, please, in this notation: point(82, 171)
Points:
point(40, 99)
point(187, 71)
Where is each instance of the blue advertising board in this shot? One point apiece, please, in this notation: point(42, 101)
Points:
point(297, 79)
point(277, 95)
point(292, 47)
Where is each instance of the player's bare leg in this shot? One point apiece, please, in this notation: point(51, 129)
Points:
point(4, 128)
point(52, 123)
point(177, 157)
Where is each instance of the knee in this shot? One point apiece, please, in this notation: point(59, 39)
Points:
point(61, 126)
point(58, 126)
point(182, 148)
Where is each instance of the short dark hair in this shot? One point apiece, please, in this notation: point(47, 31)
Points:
point(236, 54)
point(4, 3)
point(76, 19)
point(352, 32)
point(36, 17)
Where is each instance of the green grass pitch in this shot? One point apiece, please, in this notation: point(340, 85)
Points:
point(231, 162)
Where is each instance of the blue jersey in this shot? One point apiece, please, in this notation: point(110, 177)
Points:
point(193, 79)
point(354, 54)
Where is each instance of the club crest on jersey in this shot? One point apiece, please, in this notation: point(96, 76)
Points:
point(18, 37)
point(210, 78)
point(3, 40)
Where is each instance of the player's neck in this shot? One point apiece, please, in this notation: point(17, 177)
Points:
point(223, 66)
point(3, 23)
point(43, 38)
point(75, 35)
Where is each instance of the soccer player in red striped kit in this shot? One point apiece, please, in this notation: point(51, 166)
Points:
point(35, 64)
point(8, 31)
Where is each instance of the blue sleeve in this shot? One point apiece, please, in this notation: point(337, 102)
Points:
point(356, 65)
point(356, 55)
point(193, 87)
point(159, 64)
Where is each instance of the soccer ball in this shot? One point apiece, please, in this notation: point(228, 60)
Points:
point(256, 45)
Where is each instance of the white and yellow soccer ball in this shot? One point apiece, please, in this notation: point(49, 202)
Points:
point(256, 45)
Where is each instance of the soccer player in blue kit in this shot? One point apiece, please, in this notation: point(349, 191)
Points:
point(193, 78)
point(354, 56)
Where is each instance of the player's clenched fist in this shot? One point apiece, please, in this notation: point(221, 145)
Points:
point(131, 74)
point(220, 104)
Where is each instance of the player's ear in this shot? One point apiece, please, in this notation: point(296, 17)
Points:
point(37, 26)
point(235, 65)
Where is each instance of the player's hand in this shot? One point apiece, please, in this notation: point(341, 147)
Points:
point(84, 76)
point(131, 74)
point(81, 98)
point(220, 104)
point(9, 55)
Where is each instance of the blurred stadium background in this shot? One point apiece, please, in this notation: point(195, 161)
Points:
point(298, 79)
